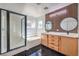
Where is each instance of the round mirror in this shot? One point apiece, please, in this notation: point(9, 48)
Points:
point(68, 23)
point(48, 25)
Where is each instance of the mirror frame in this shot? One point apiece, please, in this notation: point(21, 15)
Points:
point(73, 28)
point(51, 24)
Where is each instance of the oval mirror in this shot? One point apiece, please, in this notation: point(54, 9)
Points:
point(68, 24)
point(48, 25)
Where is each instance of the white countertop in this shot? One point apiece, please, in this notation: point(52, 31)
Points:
point(73, 35)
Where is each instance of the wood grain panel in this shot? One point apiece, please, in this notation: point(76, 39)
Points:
point(44, 40)
point(51, 46)
point(68, 46)
point(60, 14)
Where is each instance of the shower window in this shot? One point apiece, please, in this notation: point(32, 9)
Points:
point(34, 26)
point(31, 26)
point(40, 26)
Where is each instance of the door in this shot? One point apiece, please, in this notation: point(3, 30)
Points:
point(3, 31)
point(17, 31)
point(12, 30)
point(68, 46)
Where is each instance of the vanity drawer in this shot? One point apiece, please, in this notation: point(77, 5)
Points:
point(43, 36)
point(54, 43)
point(53, 38)
point(50, 36)
point(53, 47)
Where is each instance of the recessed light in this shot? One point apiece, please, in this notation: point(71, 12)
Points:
point(45, 8)
point(38, 3)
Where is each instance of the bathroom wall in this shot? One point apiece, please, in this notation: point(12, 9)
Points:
point(13, 7)
point(42, 29)
point(57, 16)
point(31, 26)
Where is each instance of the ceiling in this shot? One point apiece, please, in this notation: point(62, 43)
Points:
point(33, 9)
point(37, 9)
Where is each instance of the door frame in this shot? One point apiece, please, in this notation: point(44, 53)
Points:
point(8, 29)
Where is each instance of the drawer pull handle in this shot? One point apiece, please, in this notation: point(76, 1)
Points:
point(53, 47)
point(53, 40)
point(52, 43)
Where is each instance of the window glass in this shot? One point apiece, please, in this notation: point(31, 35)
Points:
point(34, 26)
point(31, 27)
point(16, 31)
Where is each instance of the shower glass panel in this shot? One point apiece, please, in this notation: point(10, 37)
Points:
point(3, 31)
point(17, 31)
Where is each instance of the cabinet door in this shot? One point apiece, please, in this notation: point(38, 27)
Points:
point(44, 39)
point(68, 46)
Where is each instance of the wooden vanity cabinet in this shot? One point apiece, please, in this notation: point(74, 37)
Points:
point(65, 45)
point(68, 46)
point(53, 42)
point(44, 40)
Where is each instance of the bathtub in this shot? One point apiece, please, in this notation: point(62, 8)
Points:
point(33, 41)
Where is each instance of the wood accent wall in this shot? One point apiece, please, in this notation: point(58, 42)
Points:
point(57, 16)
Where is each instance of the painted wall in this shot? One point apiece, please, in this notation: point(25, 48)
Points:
point(41, 30)
point(13, 7)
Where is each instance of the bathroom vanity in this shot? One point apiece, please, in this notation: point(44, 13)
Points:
point(61, 28)
point(61, 42)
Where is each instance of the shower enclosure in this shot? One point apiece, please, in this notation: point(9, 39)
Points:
point(12, 30)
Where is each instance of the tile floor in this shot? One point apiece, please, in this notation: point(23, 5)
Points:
point(39, 50)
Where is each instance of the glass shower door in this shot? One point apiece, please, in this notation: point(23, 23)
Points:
point(3, 31)
point(12, 30)
point(17, 28)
